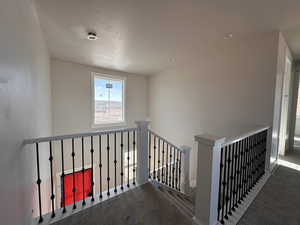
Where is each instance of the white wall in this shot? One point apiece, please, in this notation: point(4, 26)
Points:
point(71, 96)
point(220, 92)
point(25, 109)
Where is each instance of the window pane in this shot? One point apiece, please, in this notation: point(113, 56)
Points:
point(108, 101)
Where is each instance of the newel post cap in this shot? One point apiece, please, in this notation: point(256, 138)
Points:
point(209, 140)
point(142, 123)
point(186, 149)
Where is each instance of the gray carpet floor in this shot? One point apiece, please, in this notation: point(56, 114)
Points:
point(278, 203)
point(145, 205)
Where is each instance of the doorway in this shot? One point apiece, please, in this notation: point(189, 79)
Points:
point(284, 128)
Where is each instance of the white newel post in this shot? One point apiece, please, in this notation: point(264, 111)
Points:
point(142, 152)
point(208, 173)
point(185, 176)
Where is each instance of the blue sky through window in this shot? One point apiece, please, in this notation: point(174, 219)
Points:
point(104, 94)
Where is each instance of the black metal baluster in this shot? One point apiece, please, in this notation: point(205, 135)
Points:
point(260, 162)
point(220, 185)
point(231, 179)
point(244, 167)
point(115, 160)
point(173, 168)
point(100, 165)
point(256, 148)
point(92, 172)
point(263, 154)
point(249, 183)
point(260, 157)
point(255, 164)
point(235, 146)
point(158, 161)
point(134, 159)
point(224, 186)
point(128, 158)
point(82, 158)
point(149, 139)
point(167, 165)
point(180, 160)
point(122, 168)
point(250, 165)
point(108, 178)
point(265, 135)
point(163, 163)
point(170, 167)
point(244, 146)
point(240, 171)
point(52, 184)
point(63, 176)
point(154, 150)
point(73, 165)
point(39, 181)
point(176, 172)
point(228, 183)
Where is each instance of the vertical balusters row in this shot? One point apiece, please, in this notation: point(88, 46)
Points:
point(131, 167)
point(164, 161)
point(242, 164)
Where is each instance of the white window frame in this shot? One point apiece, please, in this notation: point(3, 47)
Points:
point(109, 77)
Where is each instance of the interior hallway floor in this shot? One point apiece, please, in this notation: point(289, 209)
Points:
point(278, 203)
point(143, 205)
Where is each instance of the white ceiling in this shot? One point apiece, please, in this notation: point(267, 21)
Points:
point(146, 37)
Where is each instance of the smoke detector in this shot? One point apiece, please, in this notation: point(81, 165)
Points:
point(92, 36)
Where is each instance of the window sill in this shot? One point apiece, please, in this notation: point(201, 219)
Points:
point(109, 125)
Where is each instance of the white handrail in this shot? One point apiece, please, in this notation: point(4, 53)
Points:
point(78, 135)
point(163, 139)
point(245, 135)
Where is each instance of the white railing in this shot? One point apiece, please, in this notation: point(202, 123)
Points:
point(227, 172)
point(168, 164)
point(78, 170)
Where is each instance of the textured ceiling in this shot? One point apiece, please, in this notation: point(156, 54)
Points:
point(146, 37)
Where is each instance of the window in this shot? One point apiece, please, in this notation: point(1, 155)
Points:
point(108, 100)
